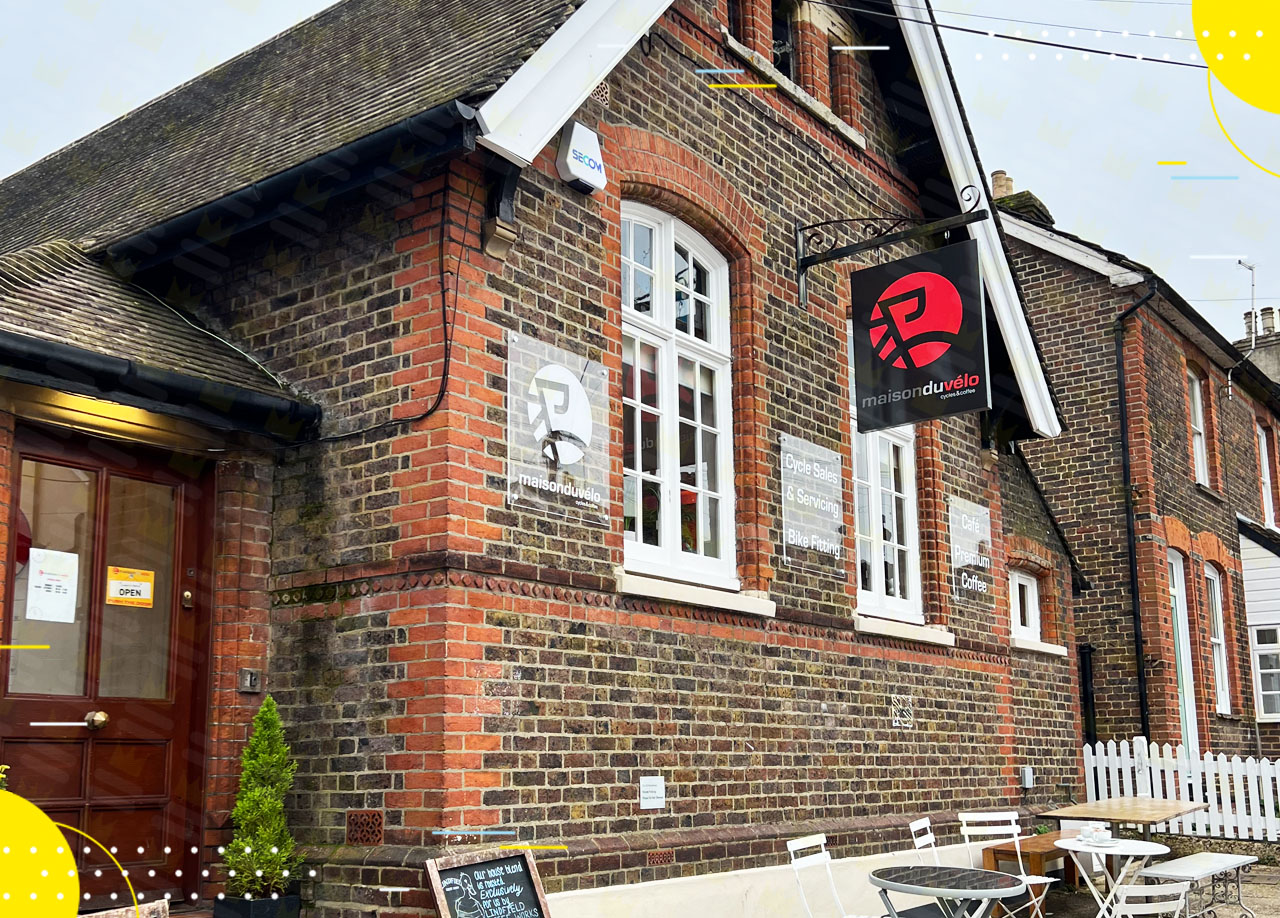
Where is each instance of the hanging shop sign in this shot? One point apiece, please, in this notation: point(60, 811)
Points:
point(919, 338)
point(812, 502)
point(970, 549)
point(487, 884)
point(557, 430)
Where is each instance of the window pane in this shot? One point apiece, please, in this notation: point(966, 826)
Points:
point(51, 602)
point(897, 469)
point(688, 454)
point(648, 375)
point(861, 444)
point(1266, 636)
point(642, 236)
point(1024, 619)
point(628, 437)
point(688, 377)
point(886, 474)
point(682, 266)
point(643, 301)
point(626, 238)
point(688, 521)
point(630, 505)
point(707, 378)
point(700, 319)
point(682, 311)
point(863, 503)
point(1271, 704)
point(711, 528)
point(864, 564)
point(900, 518)
point(710, 463)
point(140, 531)
point(890, 572)
point(626, 285)
point(1270, 682)
point(628, 367)
point(651, 511)
point(649, 443)
point(890, 533)
point(902, 575)
point(700, 278)
point(1267, 661)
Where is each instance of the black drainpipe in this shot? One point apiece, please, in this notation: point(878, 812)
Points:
point(1131, 524)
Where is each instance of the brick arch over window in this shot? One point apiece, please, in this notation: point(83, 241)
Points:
point(657, 171)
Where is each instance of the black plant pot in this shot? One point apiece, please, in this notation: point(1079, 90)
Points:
point(284, 907)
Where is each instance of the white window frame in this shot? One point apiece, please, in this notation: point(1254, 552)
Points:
point(1256, 651)
point(1199, 445)
point(1018, 582)
point(1217, 639)
point(874, 602)
point(1264, 465)
point(667, 560)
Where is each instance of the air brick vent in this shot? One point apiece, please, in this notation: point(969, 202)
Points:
point(364, 827)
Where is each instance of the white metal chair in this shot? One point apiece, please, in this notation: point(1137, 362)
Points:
point(922, 837)
point(981, 828)
point(1172, 900)
point(819, 856)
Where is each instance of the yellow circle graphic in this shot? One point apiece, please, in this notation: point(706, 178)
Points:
point(1240, 42)
point(38, 876)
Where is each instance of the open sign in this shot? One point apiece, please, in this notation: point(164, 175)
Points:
point(130, 586)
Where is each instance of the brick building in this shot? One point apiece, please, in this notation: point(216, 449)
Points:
point(1197, 424)
point(329, 282)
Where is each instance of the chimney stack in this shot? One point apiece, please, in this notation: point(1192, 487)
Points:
point(1268, 314)
point(1001, 184)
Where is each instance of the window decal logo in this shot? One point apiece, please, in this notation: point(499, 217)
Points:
point(916, 320)
point(560, 413)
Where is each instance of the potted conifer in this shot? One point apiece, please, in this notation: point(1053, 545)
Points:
point(261, 860)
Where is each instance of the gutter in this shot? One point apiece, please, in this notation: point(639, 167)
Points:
point(1131, 525)
point(218, 406)
point(405, 146)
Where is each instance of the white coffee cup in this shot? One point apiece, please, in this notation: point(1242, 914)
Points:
point(1102, 835)
point(1086, 833)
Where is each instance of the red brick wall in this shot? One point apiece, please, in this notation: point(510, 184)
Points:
point(1073, 311)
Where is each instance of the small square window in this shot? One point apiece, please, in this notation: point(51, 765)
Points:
point(1024, 603)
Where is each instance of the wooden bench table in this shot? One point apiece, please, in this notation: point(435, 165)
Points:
point(1035, 851)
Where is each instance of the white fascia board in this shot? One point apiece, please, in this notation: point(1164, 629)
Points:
point(1070, 250)
point(926, 56)
point(527, 110)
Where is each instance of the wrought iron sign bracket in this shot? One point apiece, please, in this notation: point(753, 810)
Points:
point(815, 247)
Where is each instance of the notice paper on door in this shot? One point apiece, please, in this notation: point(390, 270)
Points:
point(51, 585)
point(129, 586)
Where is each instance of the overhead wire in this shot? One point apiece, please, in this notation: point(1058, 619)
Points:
point(1018, 38)
point(1125, 33)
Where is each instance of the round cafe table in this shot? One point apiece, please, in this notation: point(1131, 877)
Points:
point(1135, 854)
point(959, 891)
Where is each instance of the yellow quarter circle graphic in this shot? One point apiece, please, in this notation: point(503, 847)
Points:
point(38, 875)
point(1240, 42)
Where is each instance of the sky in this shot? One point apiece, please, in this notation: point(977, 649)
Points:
point(1083, 135)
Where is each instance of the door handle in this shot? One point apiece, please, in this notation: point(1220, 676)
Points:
point(96, 720)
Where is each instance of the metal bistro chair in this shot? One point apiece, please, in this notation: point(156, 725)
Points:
point(1172, 896)
point(820, 856)
point(1003, 827)
point(922, 837)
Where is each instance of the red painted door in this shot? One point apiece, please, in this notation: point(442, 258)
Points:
point(98, 702)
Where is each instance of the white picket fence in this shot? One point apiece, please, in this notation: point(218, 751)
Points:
point(1242, 795)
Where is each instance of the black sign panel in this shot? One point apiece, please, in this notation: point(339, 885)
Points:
point(487, 884)
point(919, 338)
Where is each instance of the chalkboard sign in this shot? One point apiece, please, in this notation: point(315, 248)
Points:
point(487, 884)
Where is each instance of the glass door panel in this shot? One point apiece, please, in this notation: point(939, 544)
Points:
point(138, 597)
point(54, 564)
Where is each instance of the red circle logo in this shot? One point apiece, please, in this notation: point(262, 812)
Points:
point(916, 320)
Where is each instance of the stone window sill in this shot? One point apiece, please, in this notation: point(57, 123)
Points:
point(690, 595)
point(1210, 492)
point(887, 627)
point(1051, 650)
point(788, 88)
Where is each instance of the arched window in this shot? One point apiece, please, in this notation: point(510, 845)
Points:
point(677, 417)
point(1182, 652)
point(1217, 639)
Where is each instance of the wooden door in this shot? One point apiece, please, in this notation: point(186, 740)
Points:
point(100, 728)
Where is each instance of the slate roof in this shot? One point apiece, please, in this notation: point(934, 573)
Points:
point(55, 292)
point(354, 68)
